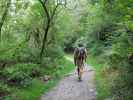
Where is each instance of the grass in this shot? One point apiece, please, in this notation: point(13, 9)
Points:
point(38, 88)
point(102, 85)
point(35, 91)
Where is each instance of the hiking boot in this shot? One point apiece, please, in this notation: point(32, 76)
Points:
point(79, 79)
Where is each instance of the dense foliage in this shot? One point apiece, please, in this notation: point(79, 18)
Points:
point(110, 37)
point(35, 33)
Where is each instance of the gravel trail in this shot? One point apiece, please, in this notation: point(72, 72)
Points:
point(69, 88)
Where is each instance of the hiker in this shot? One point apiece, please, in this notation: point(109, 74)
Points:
point(80, 55)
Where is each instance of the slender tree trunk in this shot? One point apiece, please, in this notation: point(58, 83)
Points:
point(45, 38)
point(4, 18)
point(50, 18)
point(47, 30)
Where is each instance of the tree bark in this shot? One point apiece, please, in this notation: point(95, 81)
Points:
point(48, 24)
point(44, 39)
point(4, 18)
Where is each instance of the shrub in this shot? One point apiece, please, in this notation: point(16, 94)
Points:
point(19, 79)
point(21, 74)
point(52, 54)
point(4, 90)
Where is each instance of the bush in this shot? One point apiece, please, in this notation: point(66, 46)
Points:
point(21, 74)
point(19, 79)
point(4, 90)
point(30, 54)
point(54, 51)
point(52, 54)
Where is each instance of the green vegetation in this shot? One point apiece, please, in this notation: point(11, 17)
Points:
point(112, 47)
point(38, 86)
point(36, 34)
point(102, 87)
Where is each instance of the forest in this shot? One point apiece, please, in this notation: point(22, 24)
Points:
point(37, 35)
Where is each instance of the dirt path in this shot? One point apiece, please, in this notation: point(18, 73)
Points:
point(70, 89)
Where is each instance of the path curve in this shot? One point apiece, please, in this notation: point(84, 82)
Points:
point(70, 89)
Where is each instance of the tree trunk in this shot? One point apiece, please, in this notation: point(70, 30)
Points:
point(48, 25)
point(45, 39)
point(4, 18)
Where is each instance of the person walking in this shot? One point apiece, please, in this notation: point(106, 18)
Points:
point(80, 56)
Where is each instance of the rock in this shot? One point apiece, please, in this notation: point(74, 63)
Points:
point(46, 77)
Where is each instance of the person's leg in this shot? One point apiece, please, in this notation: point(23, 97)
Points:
point(79, 74)
point(79, 69)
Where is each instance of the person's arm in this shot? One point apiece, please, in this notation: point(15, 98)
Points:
point(75, 57)
point(85, 55)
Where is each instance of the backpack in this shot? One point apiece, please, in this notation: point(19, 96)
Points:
point(81, 53)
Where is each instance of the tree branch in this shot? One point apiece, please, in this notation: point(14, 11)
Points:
point(45, 8)
point(50, 18)
point(54, 12)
